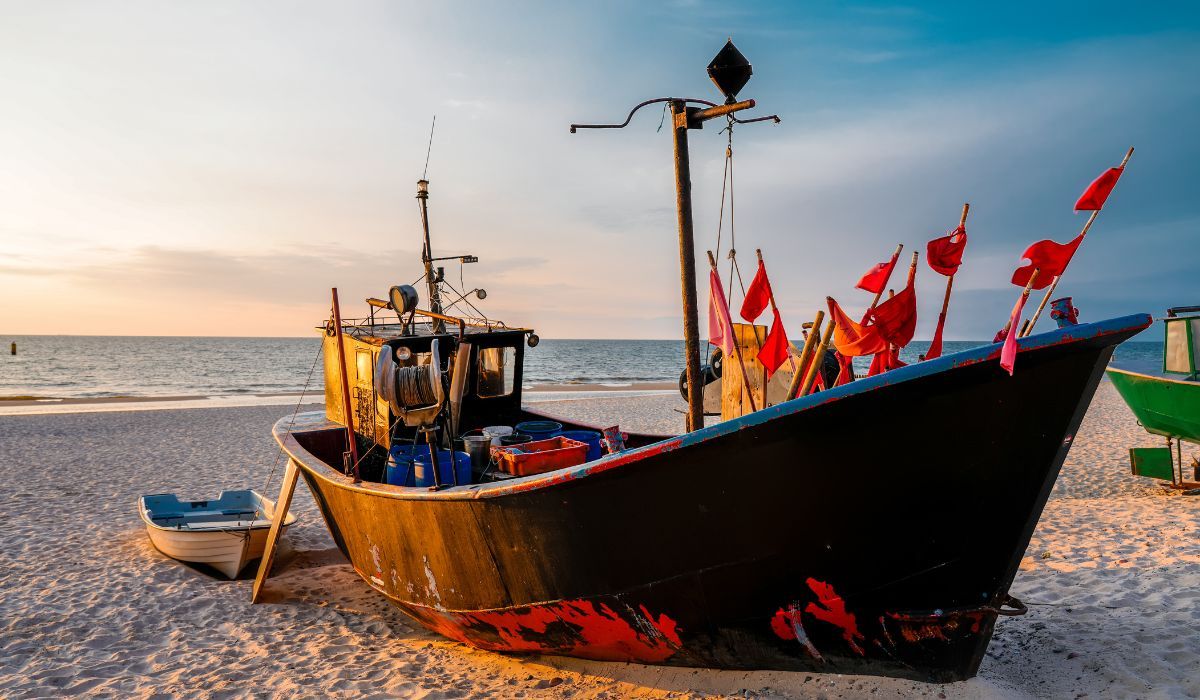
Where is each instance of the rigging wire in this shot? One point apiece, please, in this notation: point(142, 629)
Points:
point(429, 148)
point(275, 466)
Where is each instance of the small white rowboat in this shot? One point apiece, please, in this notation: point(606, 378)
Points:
point(226, 533)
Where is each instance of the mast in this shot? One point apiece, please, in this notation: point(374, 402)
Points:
point(730, 71)
point(435, 301)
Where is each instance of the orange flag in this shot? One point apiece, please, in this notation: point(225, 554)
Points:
point(852, 339)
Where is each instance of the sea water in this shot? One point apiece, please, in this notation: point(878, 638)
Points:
point(112, 366)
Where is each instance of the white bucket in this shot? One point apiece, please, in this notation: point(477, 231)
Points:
point(495, 432)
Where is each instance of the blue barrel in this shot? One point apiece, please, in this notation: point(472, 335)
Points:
point(540, 429)
point(591, 437)
point(399, 471)
point(423, 472)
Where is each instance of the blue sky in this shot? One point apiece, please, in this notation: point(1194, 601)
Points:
point(213, 168)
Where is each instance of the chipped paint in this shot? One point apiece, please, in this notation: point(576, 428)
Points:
point(431, 589)
point(940, 626)
point(832, 609)
point(787, 625)
point(605, 630)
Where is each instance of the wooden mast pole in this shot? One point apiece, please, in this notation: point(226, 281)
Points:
point(687, 265)
point(737, 353)
point(347, 408)
point(1054, 284)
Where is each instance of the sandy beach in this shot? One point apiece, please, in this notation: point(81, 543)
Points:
point(87, 606)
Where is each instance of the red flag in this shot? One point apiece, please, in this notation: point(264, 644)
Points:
point(774, 352)
point(720, 326)
point(885, 361)
point(845, 370)
point(1049, 257)
point(935, 346)
point(758, 296)
point(1008, 354)
point(895, 320)
point(877, 277)
point(944, 254)
point(1096, 194)
point(850, 338)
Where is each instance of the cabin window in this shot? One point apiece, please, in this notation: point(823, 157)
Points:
point(1178, 354)
point(497, 371)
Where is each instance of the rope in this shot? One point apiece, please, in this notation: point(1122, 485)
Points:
point(275, 466)
point(414, 386)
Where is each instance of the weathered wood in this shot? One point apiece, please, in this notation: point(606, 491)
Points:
point(282, 504)
point(738, 386)
point(814, 335)
point(687, 266)
point(811, 376)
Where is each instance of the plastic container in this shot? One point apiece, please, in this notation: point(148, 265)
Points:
point(495, 432)
point(423, 469)
point(515, 439)
point(399, 471)
point(541, 456)
point(591, 438)
point(540, 429)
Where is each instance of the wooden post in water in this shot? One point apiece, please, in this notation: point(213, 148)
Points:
point(14, 347)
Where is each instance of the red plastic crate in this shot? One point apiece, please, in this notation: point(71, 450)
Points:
point(540, 456)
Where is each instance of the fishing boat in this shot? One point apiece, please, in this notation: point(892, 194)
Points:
point(1166, 399)
point(874, 527)
point(225, 533)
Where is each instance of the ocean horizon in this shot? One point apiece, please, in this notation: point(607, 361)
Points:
point(79, 367)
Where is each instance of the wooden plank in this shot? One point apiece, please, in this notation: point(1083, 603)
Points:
point(282, 504)
point(734, 399)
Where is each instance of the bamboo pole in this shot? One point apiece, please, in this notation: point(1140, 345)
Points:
point(1054, 284)
point(737, 353)
point(811, 376)
point(814, 335)
point(347, 408)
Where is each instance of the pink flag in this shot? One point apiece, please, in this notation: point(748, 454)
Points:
point(720, 326)
point(1008, 354)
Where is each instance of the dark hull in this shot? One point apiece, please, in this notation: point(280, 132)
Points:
point(874, 528)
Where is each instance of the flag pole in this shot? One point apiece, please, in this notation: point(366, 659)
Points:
point(1054, 284)
point(814, 334)
point(962, 223)
point(737, 353)
point(879, 295)
point(818, 358)
point(774, 309)
point(1024, 293)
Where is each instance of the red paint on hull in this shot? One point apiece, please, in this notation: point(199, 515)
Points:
point(832, 609)
point(583, 628)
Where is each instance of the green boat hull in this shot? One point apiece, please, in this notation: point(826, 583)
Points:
point(1164, 406)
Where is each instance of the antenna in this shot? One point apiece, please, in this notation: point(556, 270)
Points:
point(429, 148)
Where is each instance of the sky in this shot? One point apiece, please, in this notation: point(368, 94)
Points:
point(183, 168)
